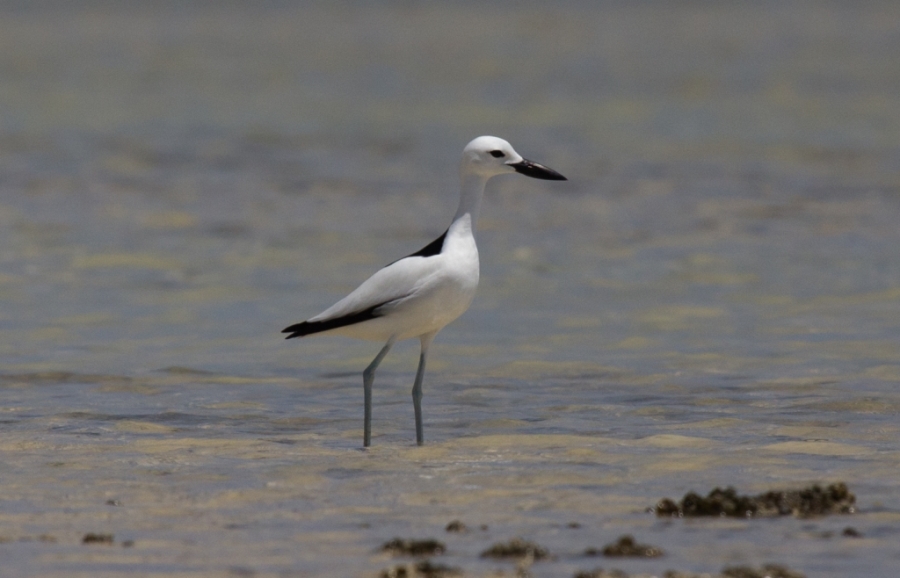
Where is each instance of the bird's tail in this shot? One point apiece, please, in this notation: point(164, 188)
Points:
point(310, 327)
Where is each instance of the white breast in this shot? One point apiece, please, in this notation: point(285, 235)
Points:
point(421, 294)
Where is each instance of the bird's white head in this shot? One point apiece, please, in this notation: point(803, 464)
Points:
point(488, 156)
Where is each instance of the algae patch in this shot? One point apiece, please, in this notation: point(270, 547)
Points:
point(400, 547)
point(626, 547)
point(516, 548)
point(98, 539)
point(805, 502)
point(457, 527)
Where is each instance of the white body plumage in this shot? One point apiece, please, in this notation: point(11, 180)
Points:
point(418, 295)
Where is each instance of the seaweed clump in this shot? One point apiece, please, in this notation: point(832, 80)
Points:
point(98, 539)
point(423, 569)
point(400, 547)
point(806, 502)
point(456, 526)
point(516, 548)
point(627, 547)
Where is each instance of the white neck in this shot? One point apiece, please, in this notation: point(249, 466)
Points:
point(470, 193)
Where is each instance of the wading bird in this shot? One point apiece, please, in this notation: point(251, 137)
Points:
point(418, 295)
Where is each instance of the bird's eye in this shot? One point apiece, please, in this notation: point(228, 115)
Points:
point(497, 154)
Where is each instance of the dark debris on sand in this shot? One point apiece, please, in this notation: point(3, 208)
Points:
point(627, 547)
point(765, 571)
point(400, 547)
point(98, 539)
point(457, 527)
point(423, 569)
point(805, 502)
point(516, 548)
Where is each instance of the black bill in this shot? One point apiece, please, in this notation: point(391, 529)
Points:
point(534, 170)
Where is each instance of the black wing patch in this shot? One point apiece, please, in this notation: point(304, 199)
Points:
point(430, 250)
point(310, 327)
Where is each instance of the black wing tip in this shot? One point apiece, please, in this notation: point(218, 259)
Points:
point(296, 330)
point(310, 327)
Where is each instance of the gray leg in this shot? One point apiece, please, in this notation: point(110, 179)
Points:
point(417, 387)
point(368, 379)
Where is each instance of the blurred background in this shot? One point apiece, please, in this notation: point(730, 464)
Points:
point(217, 170)
point(179, 181)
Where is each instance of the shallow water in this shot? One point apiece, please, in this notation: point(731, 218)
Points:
point(712, 299)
